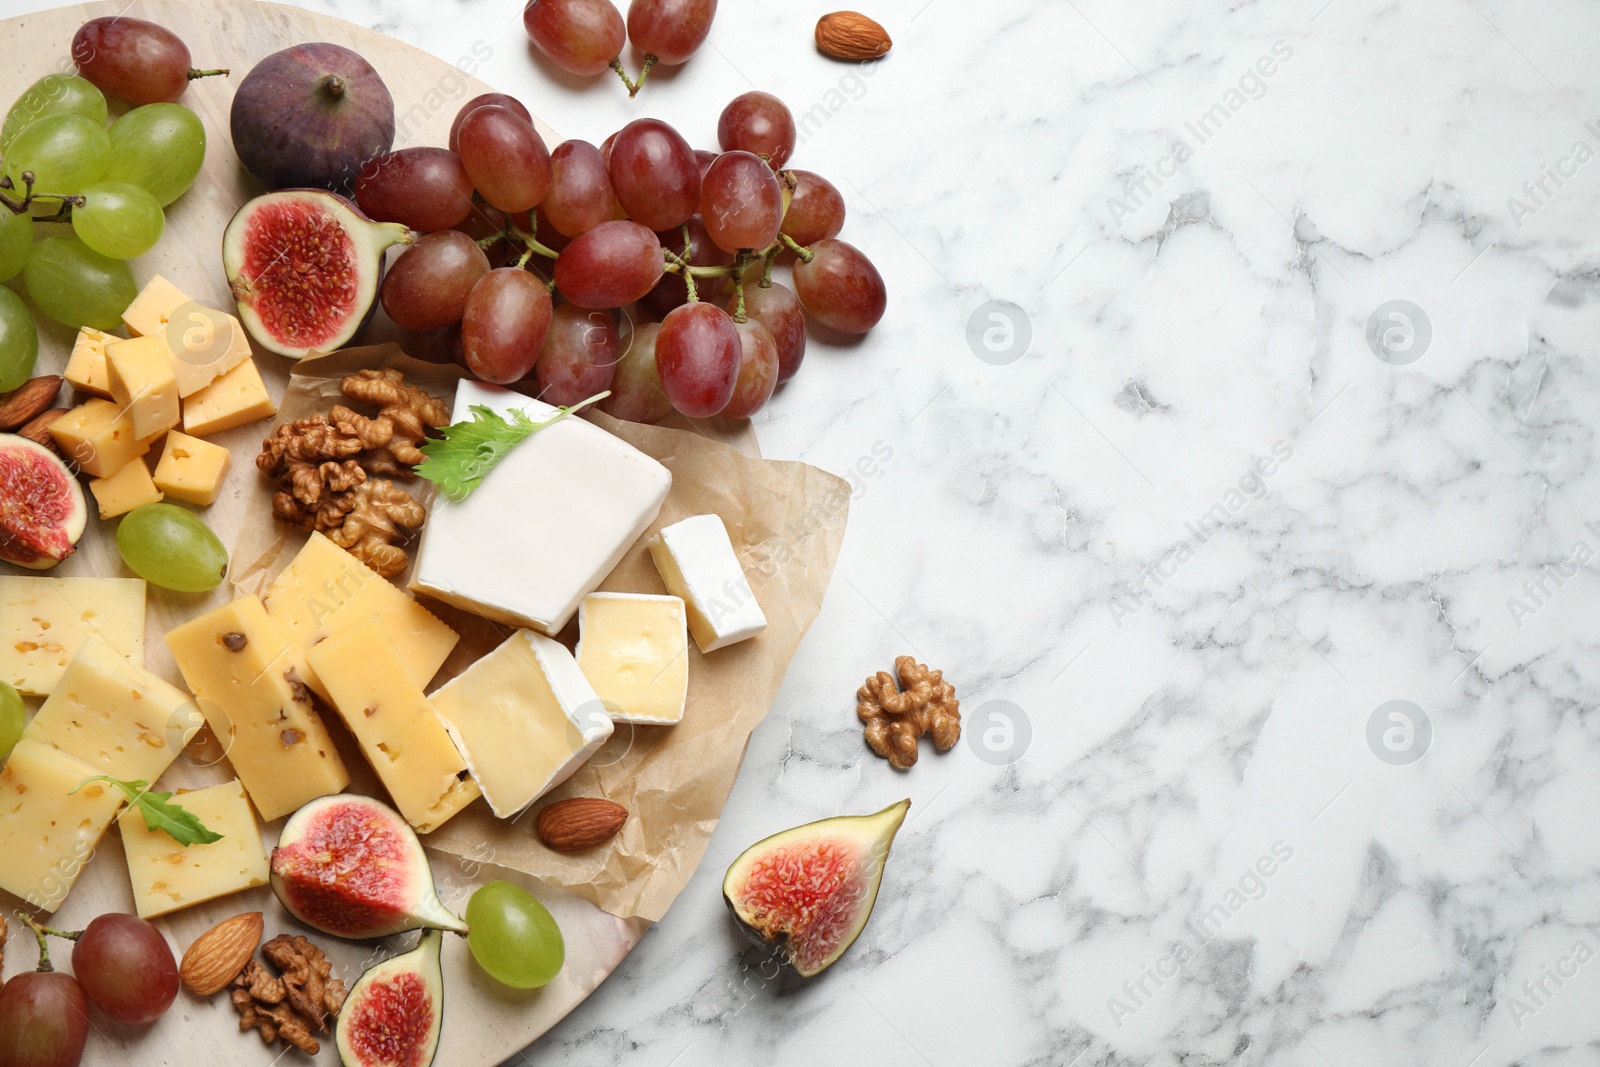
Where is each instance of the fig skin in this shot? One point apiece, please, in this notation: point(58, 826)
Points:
point(311, 116)
point(46, 512)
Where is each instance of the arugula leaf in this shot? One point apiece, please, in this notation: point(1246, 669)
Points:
point(160, 812)
point(458, 462)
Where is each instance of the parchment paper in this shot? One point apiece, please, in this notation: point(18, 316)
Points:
point(786, 521)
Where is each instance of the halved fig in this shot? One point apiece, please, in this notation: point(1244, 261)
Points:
point(304, 267)
point(349, 866)
point(42, 510)
point(393, 1015)
point(807, 893)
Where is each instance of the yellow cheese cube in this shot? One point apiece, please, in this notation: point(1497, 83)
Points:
point(44, 621)
point(247, 676)
point(634, 649)
point(48, 832)
point(114, 716)
point(168, 876)
point(238, 397)
point(190, 469)
point(98, 436)
point(129, 488)
point(400, 734)
point(154, 307)
point(205, 344)
point(144, 383)
point(86, 369)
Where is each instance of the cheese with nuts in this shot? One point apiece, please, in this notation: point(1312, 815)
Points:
point(547, 524)
point(98, 436)
point(43, 621)
point(168, 876)
point(399, 732)
point(525, 718)
point(247, 676)
point(191, 470)
point(114, 716)
point(697, 562)
point(634, 649)
point(144, 383)
point(48, 832)
point(129, 488)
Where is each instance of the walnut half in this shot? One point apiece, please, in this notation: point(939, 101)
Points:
point(895, 716)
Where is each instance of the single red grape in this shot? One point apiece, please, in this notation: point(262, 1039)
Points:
point(636, 392)
point(613, 264)
point(428, 285)
point(580, 196)
point(126, 968)
point(741, 202)
point(816, 210)
point(579, 36)
point(579, 356)
point(499, 99)
point(758, 370)
point(697, 356)
point(505, 157)
point(670, 291)
point(776, 307)
point(426, 189)
point(504, 325)
point(840, 287)
point(654, 174)
point(44, 1020)
point(758, 122)
point(135, 60)
point(670, 30)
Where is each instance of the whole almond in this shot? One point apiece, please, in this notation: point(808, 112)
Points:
point(218, 955)
point(851, 35)
point(26, 401)
point(579, 823)
point(38, 429)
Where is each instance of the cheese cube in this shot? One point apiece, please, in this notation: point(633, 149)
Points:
point(572, 499)
point(398, 730)
point(114, 716)
point(235, 398)
point(144, 383)
point(48, 832)
point(168, 876)
point(129, 488)
point(190, 469)
point(525, 717)
point(44, 621)
point(86, 368)
point(98, 436)
point(205, 345)
point(154, 307)
point(247, 676)
point(634, 649)
point(696, 561)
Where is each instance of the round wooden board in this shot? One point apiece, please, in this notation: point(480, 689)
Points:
point(484, 1023)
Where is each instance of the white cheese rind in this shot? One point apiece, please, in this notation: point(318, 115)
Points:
point(547, 525)
point(696, 559)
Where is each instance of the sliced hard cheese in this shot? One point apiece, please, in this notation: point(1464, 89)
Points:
point(154, 307)
point(399, 732)
point(144, 383)
point(48, 832)
point(191, 470)
point(247, 677)
point(321, 578)
point(634, 649)
point(424, 643)
point(235, 398)
point(696, 561)
point(86, 368)
point(114, 716)
point(98, 436)
point(573, 498)
point(43, 622)
point(129, 488)
point(168, 876)
point(525, 717)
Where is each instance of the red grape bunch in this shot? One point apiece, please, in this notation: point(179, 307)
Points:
point(528, 257)
point(585, 37)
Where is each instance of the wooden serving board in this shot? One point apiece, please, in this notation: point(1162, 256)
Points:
point(484, 1023)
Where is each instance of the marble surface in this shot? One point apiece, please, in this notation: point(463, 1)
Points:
point(1286, 415)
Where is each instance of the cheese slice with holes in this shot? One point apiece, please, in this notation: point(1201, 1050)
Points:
point(168, 876)
point(48, 832)
point(43, 622)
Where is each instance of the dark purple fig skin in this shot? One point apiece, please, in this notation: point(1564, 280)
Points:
point(310, 116)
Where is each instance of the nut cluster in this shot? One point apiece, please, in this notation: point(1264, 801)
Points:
point(304, 996)
point(897, 715)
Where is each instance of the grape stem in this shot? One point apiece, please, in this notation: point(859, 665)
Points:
point(689, 272)
point(39, 933)
point(68, 201)
point(193, 74)
point(800, 250)
point(738, 269)
point(644, 72)
point(531, 244)
point(771, 257)
point(616, 65)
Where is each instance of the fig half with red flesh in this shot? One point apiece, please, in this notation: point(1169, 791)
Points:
point(394, 1013)
point(42, 510)
point(807, 892)
point(349, 866)
point(304, 267)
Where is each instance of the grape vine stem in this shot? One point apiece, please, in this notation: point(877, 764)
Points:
point(39, 933)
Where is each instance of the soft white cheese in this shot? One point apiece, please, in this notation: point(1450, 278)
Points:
point(696, 561)
point(547, 524)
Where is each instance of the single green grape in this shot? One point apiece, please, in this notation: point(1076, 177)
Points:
point(65, 152)
point(16, 241)
point(77, 286)
point(513, 937)
point(158, 146)
point(19, 341)
point(118, 219)
point(172, 547)
point(53, 94)
point(11, 719)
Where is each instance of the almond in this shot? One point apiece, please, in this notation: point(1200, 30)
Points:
point(218, 955)
point(38, 429)
point(851, 35)
point(579, 823)
point(26, 401)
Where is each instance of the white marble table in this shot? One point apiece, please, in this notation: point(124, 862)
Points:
point(1289, 415)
